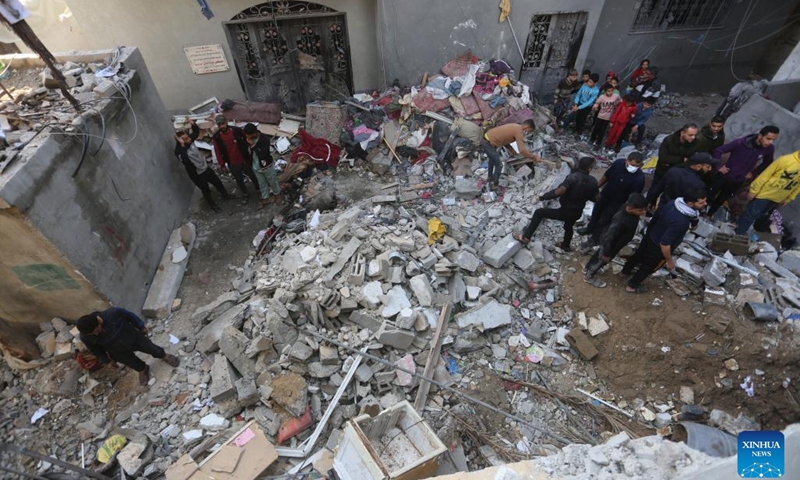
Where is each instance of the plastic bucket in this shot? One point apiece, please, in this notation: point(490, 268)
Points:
point(711, 441)
point(760, 312)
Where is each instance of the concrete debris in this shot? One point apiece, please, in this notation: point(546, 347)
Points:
point(502, 251)
point(489, 315)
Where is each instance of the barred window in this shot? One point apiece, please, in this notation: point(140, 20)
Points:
point(680, 14)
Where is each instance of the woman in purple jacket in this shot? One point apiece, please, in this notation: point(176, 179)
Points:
point(749, 156)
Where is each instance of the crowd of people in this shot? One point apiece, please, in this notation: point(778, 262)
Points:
point(696, 174)
point(244, 152)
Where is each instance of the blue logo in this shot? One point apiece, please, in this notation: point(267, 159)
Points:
point(760, 454)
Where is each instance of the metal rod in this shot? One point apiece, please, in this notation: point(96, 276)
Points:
point(414, 374)
point(53, 460)
point(522, 55)
point(614, 407)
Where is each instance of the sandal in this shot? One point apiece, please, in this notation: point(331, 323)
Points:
point(595, 282)
point(518, 237)
point(639, 289)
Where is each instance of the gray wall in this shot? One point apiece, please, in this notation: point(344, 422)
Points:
point(685, 64)
point(418, 36)
point(114, 219)
point(162, 28)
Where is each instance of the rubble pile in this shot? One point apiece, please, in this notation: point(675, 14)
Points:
point(37, 102)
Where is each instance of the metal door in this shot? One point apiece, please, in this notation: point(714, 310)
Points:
point(551, 50)
point(293, 60)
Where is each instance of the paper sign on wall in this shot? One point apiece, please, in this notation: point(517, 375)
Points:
point(207, 59)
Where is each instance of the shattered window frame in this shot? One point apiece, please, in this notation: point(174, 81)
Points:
point(672, 15)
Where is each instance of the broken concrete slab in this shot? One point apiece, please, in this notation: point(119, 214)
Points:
point(301, 351)
point(407, 363)
point(715, 272)
point(404, 243)
point(320, 370)
point(502, 251)
point(168, 277)
point(597, 325)
point(421, 287)
point(489, 315)
point(465, 260)
point(365, 320)
point(223, 379)
point(233, 344)
point(394, 337)
point(394, 301)
point(208, 337)
point(215, 308)
point(524, 259)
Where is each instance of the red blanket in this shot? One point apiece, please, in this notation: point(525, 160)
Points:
point(317, 149)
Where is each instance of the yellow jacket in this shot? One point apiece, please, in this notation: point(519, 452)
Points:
point(780, 181)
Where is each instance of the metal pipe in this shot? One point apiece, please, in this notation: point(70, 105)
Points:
point(474, 400)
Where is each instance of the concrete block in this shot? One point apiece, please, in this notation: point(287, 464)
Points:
point(714, 296)
point(406, 363)
point(218, 306)
point(524, 259)
point(357, 270)
point(704, 229)
point(105, 89)
point(394, 337)
point(502, 251)
point(465, 260)
point(223, 379)
point(233, 344)
point(467, 187)
point(695, 272)
point(348, 251)
point(378, 268)
point(208, 337)
point(406, 318)
point(714, 272)
point(790, 260)
point(246, 391)
point(421, 287)
point(490, 315)
point(319, 370)
point(473, 292)
point(364, 373)
point(301, 351)
point(89, 81)
point(168, 277)
point(403, 243)
point(381, 164)
point(329, 355)
point(396, 275)
point(371, 294)
point(429, 261)
point(597, 326)
point(457, 288)
point(259, 344)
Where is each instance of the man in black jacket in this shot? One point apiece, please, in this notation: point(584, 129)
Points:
point(616, 235)
point(664, 233)
point(263, 165)
point(115, 335)
point(196, 166)
point(683, 179)
point(675, 150)
point(577, 189)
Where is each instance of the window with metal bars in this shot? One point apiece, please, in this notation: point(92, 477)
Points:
point(680, 14)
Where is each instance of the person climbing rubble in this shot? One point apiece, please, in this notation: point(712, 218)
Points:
point(115, 335)
point(502, 136)
point(664, 233)
point(682, 179)
point(578, 188)
point(619, 232)
point(777, 185)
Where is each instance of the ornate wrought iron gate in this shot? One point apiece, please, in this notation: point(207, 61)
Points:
point(551, 50)
point(291, 52)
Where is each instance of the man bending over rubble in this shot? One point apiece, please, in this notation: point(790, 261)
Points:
point(572, 194)
point(665, 232)
point(502, 136)
point(116, 335)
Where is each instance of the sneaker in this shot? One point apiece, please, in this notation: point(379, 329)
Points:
point(595, 282)
point(171, 360)
point(144, 376)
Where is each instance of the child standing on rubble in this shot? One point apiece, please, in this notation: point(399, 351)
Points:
point(619, 233)
point(604, 105)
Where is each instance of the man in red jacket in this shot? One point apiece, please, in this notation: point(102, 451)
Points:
point(231, 149)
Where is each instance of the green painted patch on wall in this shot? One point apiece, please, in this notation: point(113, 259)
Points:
point(45, 276)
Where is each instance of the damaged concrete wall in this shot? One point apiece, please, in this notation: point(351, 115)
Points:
point(696, 60)
point(113, 219)
point(161, 29)
point(419, 36)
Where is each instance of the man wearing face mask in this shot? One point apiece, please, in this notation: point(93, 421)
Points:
point(683, 179)
point(622, 178)
point(749, 156)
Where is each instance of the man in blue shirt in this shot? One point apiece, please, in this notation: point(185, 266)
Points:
point(636, 127)
point(115, 335)
point(583, 103)
point(621, 179)
point(665, 232)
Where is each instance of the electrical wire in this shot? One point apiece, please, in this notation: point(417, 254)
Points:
point(126, 92)
point(747, 14)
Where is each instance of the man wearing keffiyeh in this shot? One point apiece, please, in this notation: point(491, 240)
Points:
point(664, 233)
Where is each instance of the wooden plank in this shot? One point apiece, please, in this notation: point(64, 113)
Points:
point(433, 358)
